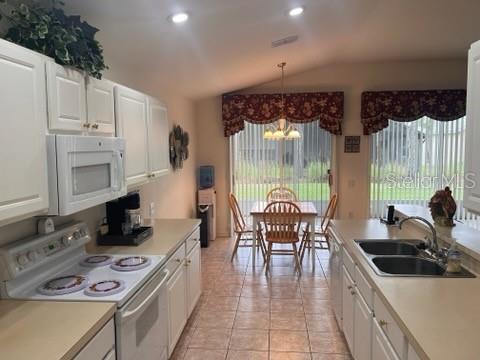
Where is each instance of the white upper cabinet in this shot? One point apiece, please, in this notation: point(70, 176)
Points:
point(158, 130)
point(67, 106)
point(23, 114)
point(131, 123)
point(472, 147)
point(100, 106)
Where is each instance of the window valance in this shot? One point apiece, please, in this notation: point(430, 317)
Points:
point(380, 106)
point(327, 107)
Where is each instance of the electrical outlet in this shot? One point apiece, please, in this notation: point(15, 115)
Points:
point(151, 210)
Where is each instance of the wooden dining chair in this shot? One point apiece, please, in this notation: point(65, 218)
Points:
point(320, 234)
point(243, 232)
point(282, 193)
point(282, 225)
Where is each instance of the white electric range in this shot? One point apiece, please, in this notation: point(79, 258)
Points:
point(56, 267)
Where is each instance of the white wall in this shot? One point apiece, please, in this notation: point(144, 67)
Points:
point(352, 169)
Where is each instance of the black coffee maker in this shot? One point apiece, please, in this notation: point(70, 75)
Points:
point(124, 221)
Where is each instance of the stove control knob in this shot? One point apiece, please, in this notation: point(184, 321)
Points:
point(32, 256)
point(77, 235)
point(22, 260)
point(67, 239)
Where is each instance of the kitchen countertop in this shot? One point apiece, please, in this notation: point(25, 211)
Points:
point(47, 330)
point(439, 316)
point(167, 235)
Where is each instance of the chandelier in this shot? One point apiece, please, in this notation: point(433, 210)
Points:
point(281, 130)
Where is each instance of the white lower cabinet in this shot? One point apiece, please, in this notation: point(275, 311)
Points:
point(412, 355)
point(184, 286)
point(194, 278)
point(348, 308)
point(363, 318)
point(381, 347)
point(390, 328)
point(101, 346)
point(177, 306)
point(370, 330)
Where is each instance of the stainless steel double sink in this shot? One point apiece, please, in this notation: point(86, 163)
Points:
point(404, 258)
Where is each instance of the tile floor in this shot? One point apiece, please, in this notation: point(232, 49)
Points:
point(245, 315)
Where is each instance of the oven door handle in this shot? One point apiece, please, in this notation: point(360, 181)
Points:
point(130, 313)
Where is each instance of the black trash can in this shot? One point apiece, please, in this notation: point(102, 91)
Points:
point(202, 214)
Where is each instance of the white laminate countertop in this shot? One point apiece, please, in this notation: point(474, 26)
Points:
point(439, 316)
point(47, 330)
point(167, 235)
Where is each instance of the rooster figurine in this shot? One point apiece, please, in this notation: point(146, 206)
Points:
point(443, 207)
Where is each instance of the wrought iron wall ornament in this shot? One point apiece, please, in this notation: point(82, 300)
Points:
point(179, 141)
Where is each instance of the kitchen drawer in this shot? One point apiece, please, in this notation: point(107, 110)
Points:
point(390, 327)
point(349, 264)
point(176, 259)
point(364, 287)
point(193, 240)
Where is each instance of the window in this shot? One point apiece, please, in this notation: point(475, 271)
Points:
point(255, 165)
point(411, 160)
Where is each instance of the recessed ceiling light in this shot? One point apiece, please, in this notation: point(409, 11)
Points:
point(179, 17)
point(296, 11)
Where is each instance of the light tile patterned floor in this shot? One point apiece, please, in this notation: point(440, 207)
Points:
point(245, 315)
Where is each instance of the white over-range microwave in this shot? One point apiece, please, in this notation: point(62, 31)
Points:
point(84, 171)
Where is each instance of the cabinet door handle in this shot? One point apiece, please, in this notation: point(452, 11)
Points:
point(382, 323)
point(349, 287)
point(95, 126)
point(86, 125)
point(178, 260)
point(352, 292)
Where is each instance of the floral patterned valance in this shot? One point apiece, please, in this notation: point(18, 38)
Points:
point(327, 107)
point(380, 106)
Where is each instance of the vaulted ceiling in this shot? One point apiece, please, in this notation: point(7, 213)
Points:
point(226, 44)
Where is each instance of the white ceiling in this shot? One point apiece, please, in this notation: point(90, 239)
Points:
point(225, 45)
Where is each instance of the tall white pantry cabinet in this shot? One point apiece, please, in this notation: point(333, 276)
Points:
point(23, 121)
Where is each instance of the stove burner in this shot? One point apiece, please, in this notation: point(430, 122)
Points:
point(131, 263)
point(97, 261)
point(105, 288)
point(63, 285)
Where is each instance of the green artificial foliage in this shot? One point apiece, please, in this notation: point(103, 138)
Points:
point(48, 30)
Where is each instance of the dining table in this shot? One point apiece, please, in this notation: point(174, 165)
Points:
point(309, 216)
